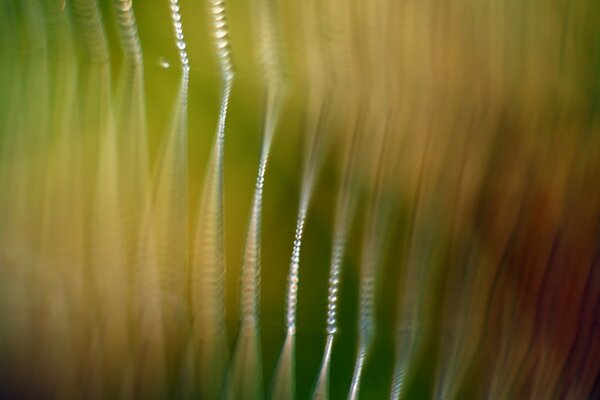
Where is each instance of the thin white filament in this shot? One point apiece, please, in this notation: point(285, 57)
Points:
point(373, 246)
point(209, 257)
point(346, 204)
point(246, 367)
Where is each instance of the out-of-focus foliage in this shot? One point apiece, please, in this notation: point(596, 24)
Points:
point(414, 182)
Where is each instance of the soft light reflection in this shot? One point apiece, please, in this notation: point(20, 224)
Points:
point(393, 199)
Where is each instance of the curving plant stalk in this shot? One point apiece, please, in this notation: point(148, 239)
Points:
point(100, 172)
point(146, 364)
point(380, 166)
point(208, 267)
point(316, 141)
point(345, 210)
point(131, 126)
point(377, 226)
point(88, 22)
point(165, 244)
point(245, 374)
point(337, 25)
point(283, 385)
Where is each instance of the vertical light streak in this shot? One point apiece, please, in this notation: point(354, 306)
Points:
point(209, 265)
point(245, 376)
